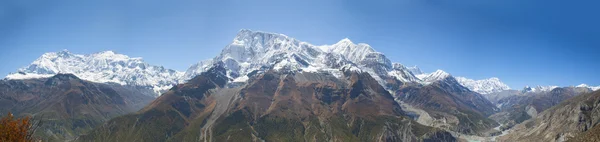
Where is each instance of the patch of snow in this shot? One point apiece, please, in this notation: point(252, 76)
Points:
point(160, 89)
point(324, 48)
point(241, 79)
point(311, 69)
point(18, 76)
point(421, 76)
point(582, 85)
point(499, 105)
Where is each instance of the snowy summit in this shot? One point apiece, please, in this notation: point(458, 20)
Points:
point(484, 86)
point(257, 51)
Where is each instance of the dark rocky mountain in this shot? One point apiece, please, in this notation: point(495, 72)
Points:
point(271, 106)
point(525, 105)
point(68, 106)
point(449, 105)
point(495, 97)
point(568, 120)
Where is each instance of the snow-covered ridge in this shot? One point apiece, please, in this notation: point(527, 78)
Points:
point(256, 50)
point(434, 76)
point(594, 88)
point(103, 67)
point(484, 86)
point(415, 70)
point(249, 51)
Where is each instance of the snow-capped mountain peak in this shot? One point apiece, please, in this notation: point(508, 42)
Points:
point(484, 86)
point(353, 52)
point(249, 45)
point(594, 88)
point(415, 70)
point(255, 50)
point(111, 55)
point(582, 85)
point(249, 51)
point(403, 73)
point(197, 68)
point(106, 66)
point(342, 43)
point(345, 42)
point(434, 76)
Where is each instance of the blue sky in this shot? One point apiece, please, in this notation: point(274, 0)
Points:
point(535, 42)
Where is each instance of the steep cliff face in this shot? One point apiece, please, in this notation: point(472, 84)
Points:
point(561, 122)
point(273, 106)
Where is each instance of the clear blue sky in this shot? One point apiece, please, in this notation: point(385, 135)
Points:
point(534, 42)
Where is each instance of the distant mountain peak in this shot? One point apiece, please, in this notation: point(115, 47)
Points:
point(111, 55)
point(538, 88)
point(53, 55)
point(484, 86)
point(415, 70)
point(247, 34)
point(494, 78)
point(64, 51)
point(345, 41)
point(107, 52)
point(434, 76)
point(594, 88)
point(441, 73)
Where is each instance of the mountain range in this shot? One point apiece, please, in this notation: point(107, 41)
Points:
point(270, 87)
point(102, 67)
point(249, 51)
